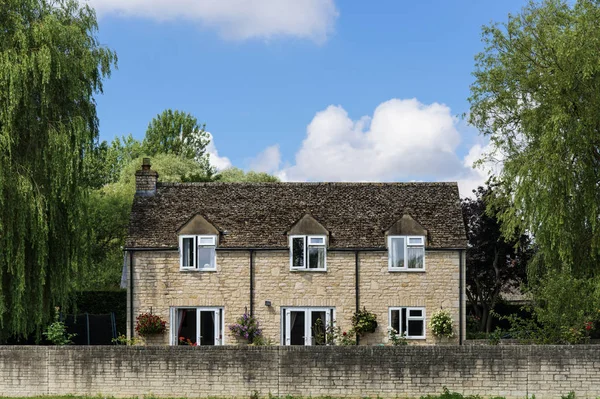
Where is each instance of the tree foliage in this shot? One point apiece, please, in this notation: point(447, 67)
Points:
point(495, 265)
point(51, 65)
point(110, 207)
point(176, 132)
point(536, 96)
point(238, 175)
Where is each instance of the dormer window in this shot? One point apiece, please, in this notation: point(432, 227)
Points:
point(406, 253)
point(308, 252)
point(198, 252)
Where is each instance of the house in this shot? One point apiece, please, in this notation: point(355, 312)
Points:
point(200, 255)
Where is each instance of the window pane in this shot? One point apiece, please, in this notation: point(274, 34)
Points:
point(397, 252)
point(416, 313)
point(298, 252)
point(206, 257)
point(415, 241)
point(206, 241)
point(415, 257)
point(186, 326)
point(316, 241)
point(188, 252)
point(395, 322)
point(403, 321)
point(318, 327)
point(316, 257)
point(415, 328)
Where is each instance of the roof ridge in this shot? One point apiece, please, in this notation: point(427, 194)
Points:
point(192, 184)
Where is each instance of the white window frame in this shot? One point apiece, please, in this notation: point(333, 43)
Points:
point(219, 323)
point(197, 245)
point(307, 244)
point(405, 268)
point(409, 317)
point(286, 321)
point(181, 266)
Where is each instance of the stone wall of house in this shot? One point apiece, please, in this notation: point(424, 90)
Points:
point(387, 372)
point(435, 288)
point(159, 285)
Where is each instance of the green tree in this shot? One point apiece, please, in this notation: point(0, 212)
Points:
point(176, 132)
point(110, 207)
point(107, 161)
point(51, 65)
point(238, 175)
point(536, 95)
point(495, 265)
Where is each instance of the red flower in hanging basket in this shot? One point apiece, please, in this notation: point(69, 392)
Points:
point(149, 324)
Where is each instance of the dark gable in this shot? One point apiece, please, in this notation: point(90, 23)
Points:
point(259, 215)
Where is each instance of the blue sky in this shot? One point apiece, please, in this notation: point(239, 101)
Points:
point(306, 89)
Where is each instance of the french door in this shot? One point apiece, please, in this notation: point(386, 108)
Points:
point(306, 326)
point(197, 326)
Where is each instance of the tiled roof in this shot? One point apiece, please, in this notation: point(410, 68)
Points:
point(258, 215)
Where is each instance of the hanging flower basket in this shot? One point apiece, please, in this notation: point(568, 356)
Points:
point(149, 324)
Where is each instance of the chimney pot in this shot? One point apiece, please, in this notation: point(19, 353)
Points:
point(146, 164)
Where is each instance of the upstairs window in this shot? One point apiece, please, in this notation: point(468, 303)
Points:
point(308, 253)
point(198, 252)
point(406, 253)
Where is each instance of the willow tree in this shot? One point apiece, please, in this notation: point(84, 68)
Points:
point(537, 97)
point(51, 65)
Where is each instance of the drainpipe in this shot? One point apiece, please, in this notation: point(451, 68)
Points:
point(252, 282)
point(460, 297)
point(356, 288)
point(131, 324)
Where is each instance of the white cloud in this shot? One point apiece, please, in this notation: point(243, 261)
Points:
point(213, 156)
point(477, 175)
point(404, 140)
point(267, 161)
point(236, 19)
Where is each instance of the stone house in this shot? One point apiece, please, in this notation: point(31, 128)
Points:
point(200, 255)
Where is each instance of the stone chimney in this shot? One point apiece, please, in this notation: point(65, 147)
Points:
point(145, 179)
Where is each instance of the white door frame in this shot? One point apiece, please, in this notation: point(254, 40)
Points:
point(217, 310)
point(308, 310)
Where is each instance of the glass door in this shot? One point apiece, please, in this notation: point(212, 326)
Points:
point(306, 326)
point(196, 326)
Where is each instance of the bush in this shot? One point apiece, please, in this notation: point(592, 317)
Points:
point(565, 310)
point(395, 338)
point(441, 324)
point(57, 331)
point(149, 324)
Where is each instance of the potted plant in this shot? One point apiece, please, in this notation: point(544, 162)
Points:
point(364, 322)
point(441, 325)
point(149, 324)
point(246, 328)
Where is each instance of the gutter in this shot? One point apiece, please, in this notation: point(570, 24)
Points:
point(356, 288)
point(131, 324)
point(361, 249)
point(251, 282)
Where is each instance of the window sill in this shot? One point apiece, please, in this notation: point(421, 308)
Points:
point(309, 270)
point(406, 270)
point(197, 270)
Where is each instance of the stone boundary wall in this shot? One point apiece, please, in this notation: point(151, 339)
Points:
point(387, 372)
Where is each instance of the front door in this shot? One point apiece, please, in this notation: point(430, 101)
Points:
point(196, 326)
point(306, 326)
